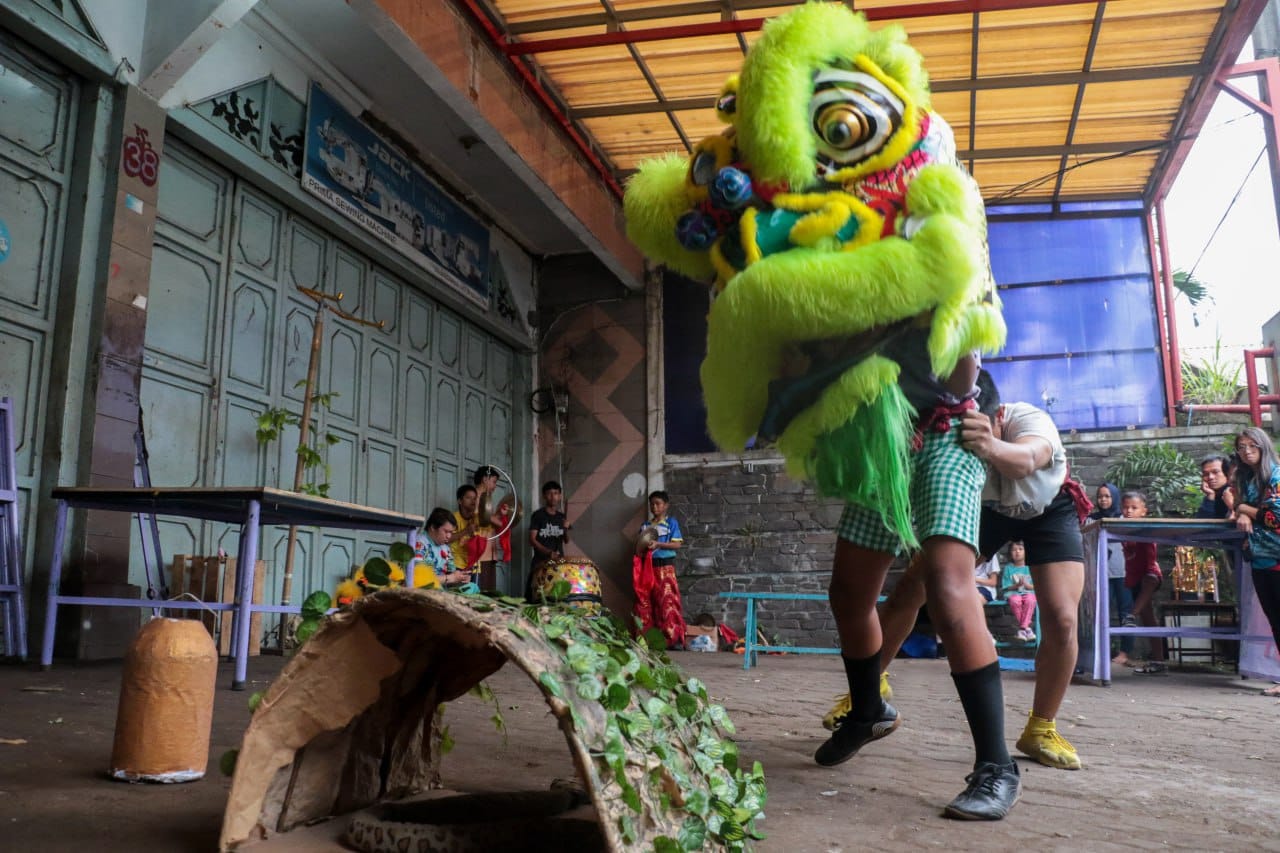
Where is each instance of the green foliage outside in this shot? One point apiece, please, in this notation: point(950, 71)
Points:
point(1214, 380)
point(271, 424)
point(1168, 477)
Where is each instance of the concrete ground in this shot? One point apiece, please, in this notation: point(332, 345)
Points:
point(1186, 760)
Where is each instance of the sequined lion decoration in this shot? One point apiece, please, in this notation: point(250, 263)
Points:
point(831, 215)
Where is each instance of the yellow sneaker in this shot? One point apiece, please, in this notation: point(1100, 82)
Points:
point(843, 706)
point(1040, 740)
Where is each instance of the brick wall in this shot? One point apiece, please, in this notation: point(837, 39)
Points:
point(749, 527)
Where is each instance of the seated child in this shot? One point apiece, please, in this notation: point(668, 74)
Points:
point(1017, 589)
point(987, 577)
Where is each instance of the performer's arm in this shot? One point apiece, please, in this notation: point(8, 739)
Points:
point(537, 546)
point(1013, 459)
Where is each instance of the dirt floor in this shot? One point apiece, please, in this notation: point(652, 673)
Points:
point(1185, 761)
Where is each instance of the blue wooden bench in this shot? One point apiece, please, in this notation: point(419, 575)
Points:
point(1021, 644)
point(752, 646)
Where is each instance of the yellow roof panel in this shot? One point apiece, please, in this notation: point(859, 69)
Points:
point(1027, 85)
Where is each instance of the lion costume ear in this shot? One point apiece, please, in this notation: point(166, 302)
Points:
point(727, 102)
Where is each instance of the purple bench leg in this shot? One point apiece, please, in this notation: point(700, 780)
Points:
point(247, 565)
point(55, 578)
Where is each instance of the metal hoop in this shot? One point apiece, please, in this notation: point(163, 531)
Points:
point(515, 504)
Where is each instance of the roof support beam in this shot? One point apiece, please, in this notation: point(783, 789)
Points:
point(1065, 78)
point(883, 13)
point(1267, 72)
point(172, 47)
point(1066, 151)
point(1234, 29)
point(1099, 14)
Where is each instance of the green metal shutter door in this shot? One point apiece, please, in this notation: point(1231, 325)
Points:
point(398, 414)
point(37, 123)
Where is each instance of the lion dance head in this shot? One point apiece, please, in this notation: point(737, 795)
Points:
point(830, 215)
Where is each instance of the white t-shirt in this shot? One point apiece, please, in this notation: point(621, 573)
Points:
point(1029, 496)
point(984, 570)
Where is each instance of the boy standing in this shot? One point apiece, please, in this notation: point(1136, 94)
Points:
point(466, 551)
point(660, 605)
point(1142, 575)
point(548, 532)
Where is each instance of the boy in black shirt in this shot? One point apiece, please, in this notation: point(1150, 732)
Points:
point(548, 532)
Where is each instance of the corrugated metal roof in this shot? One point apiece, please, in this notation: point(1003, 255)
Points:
point(1050, 100)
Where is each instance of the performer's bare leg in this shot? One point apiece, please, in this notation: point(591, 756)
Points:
point(898, 613)
point(1058, 588)
point(954, 609)
point(857, 577)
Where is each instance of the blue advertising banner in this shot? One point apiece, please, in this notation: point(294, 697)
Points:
point(355, 171)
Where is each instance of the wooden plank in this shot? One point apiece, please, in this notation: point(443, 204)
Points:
point(209, 592)
point(178, 575)
point(229, 595)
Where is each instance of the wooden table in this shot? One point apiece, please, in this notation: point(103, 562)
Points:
point(248, 506)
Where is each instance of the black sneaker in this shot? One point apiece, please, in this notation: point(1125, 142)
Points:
point(992, 790)
point(853, 736)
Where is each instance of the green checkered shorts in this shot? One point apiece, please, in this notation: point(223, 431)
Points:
point(946, 497)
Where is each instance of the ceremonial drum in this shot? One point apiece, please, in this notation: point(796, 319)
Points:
point(584, 583)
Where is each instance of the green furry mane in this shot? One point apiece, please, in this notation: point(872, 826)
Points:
point(867, 461)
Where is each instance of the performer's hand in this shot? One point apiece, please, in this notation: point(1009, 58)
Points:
point(1244, 523)
point(976, 435)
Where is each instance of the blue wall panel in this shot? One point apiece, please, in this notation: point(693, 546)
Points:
point(1078, 300)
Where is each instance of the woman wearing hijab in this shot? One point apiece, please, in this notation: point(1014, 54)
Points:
point(1107, 505)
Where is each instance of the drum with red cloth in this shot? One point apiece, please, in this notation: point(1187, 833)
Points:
point(583, 578)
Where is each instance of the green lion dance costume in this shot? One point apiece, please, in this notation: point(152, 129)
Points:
point(832, 216)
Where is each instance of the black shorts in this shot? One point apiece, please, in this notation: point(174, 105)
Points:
point(1053, 536)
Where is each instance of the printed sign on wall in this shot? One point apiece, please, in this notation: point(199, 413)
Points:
point(355, 171)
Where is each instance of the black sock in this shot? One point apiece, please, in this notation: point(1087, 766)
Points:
point(982, 697)
point(864, 687)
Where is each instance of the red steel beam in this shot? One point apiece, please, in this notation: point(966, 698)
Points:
point(1154, 233)
point(746, 25)
point(1267, 71)
point(1166, 283)
point(1196, 109)
point(1251, 377)
point(498, 40)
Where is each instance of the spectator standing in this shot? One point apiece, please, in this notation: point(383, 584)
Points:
point(548, 531)
point(1142, 575)
point(1257, 513)
point(657, 592)
point(1107, 503)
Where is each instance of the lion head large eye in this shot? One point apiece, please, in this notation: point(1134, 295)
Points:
point(853, 115)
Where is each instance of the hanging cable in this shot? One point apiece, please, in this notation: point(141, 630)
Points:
point(1227, 212)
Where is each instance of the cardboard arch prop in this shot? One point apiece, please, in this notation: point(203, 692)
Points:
point(352, 720)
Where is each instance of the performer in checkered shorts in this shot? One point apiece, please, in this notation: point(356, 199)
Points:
point(946, 489)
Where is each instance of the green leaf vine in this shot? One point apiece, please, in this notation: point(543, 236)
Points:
point(668, 720)
point(270, 425)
